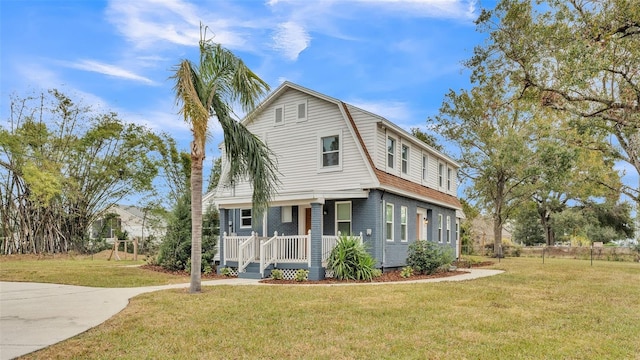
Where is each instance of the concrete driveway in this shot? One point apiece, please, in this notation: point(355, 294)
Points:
point(34, 315)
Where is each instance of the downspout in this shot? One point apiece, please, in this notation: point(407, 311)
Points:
point(383, 229)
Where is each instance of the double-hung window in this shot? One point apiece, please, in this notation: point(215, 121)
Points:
point(343, 217)
point(425, 164)
point(245, 218)
point(449, 171)
point(403, 223)
point(405, 159)
point(330, 151)
point(440, 175)
point(391, 151)
point(440, 233)
point(389, 217)
point(449, 229)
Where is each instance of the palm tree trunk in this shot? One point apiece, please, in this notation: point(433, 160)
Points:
point(197, 158)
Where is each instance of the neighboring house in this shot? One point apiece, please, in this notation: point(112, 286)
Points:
point(342, 170)
point(132, 220)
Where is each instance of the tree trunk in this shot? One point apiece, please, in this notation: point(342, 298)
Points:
point(497, 238)
point(197, 158)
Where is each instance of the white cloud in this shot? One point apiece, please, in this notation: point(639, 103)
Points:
point(291, 39)
point(395, 111)
point(146, 23)
point(111, 70)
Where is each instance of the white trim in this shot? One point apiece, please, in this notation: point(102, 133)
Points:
point(295, 198)
point(386, 222)
point(350, 216)
point(448, 229)
point(326, 134)
point(404, 161)
point(425, 168)
point(306, 111)
point(440, 178)
point(387, 153)
point(275, 116)
point(440, 228)
point(250, 217)
point(423, 227)
point(449, 173)
point(405, 224)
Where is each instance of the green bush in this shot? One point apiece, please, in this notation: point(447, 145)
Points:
point(406, 272)
point(426, 257)
point(349, 260)
point(276, 274)
point(301, 275)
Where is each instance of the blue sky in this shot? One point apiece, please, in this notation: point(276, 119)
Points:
point(396, 58)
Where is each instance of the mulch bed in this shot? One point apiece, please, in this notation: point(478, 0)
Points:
point(389, 276)
point(158, 268)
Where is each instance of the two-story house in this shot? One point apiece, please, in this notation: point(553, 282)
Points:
point(342, 170)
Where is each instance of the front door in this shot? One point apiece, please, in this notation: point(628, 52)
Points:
point(421, 224)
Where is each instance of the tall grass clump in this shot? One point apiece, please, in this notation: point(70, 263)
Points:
point(349, 260)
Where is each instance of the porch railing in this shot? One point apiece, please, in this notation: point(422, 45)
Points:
point(246, 252)
point(277, 249)
point(329, 242)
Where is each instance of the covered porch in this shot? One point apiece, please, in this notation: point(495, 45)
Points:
point(262, 254)
point(298, 231)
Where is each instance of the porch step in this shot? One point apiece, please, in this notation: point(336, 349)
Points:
point(251, 272)
point(249, 275)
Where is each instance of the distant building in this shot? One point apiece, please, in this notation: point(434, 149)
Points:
point(132, 221)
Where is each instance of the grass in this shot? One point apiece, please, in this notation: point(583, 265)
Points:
point(563, 309)
point(83, 270)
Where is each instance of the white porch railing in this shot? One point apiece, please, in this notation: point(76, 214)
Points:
point(247, 252)
point(329, 242)
point(277, 249)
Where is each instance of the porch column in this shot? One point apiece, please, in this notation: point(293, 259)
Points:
point(316, 271)
point(222, 230)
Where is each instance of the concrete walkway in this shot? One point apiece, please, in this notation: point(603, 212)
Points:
point(34, 316)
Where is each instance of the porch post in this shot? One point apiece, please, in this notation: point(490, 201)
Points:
point(316, 271)
point(223, 231)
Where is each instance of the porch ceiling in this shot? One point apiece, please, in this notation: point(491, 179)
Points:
point(290, 199)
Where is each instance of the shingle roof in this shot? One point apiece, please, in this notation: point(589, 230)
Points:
point(387, 180)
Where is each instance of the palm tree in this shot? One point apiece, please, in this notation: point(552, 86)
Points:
point(208, 90)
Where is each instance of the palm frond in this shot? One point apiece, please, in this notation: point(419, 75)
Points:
point(248, 157)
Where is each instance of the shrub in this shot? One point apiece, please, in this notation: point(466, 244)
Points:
point(301, 275)
point(349, 260)
point(226, 271)
point(426, 257)
point(277, 274)
point(406, 272)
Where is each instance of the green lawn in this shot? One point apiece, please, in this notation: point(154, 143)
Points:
point(563, 309)
point(83, 270)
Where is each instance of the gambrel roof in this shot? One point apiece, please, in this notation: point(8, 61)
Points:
point(373, 177)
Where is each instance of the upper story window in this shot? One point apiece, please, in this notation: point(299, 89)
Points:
point(391, 151)
point(301, 111)
point(440, 174)
point(278, 115)
point(425, 165)
point(330, 151)
point(245, 218)
point(449, 172)
point(405, 159)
